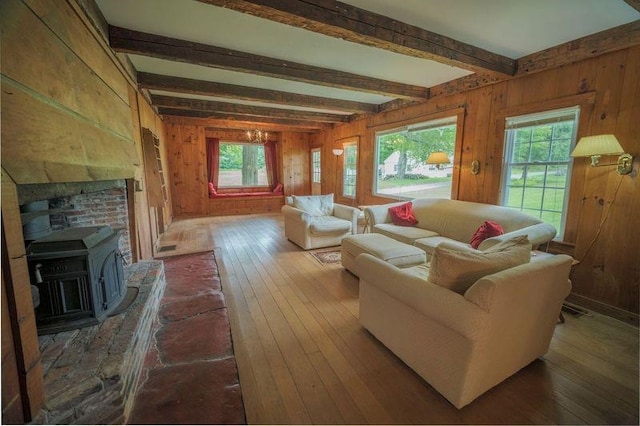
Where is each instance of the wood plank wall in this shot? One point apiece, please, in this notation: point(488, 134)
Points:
point(65, 106)
point(187, 162)
point(603, 224)
point(70, 113)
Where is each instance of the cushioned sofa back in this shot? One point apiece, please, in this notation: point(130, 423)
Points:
point(460, 219)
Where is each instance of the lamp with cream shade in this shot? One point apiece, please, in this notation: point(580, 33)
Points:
point(438, 158)
point(599, 145)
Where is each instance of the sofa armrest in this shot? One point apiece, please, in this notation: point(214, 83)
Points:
point(380, 213)
point(437, 303)
point(540, 233)
point(292, 213)
point(347, 213)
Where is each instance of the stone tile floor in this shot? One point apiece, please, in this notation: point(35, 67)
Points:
point(189, 374)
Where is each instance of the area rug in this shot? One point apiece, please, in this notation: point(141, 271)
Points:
point(190, 374)
point(327, 257)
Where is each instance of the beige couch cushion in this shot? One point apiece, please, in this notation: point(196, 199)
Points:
point(459, 220)
point(314, 205)
point(319, 225)
point(404, 234)
point(458, 270)
point(384, 248)
point(429, 244)
point(517, 241)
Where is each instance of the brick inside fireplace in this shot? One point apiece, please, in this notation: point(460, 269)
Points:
point(75, 205)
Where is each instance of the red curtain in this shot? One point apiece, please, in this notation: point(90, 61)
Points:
point(271, 162)
point(213, 165)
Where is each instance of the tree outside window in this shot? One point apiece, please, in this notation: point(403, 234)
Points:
point(402, 155)
point(242, 165)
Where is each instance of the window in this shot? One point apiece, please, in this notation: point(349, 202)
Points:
point(315, 166)
point(537, 164)
point(350, 166)
point(242, 165)
point(401, 156)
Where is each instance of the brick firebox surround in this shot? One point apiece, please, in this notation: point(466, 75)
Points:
point(105, 207)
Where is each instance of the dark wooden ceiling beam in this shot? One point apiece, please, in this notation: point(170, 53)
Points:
point(611, 40)
point(135, 42)
point(634, 4)
point(357, 25)
point(243, 126)
point(210, 88)
point(243, 119)
point(249, 110)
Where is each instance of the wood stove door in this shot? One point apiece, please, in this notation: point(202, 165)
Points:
point(64, 299)
point(111, 280)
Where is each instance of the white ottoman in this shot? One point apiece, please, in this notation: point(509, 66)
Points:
point(399, 254)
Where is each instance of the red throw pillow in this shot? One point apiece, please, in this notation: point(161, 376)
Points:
point(487, 230)
point(403, 215)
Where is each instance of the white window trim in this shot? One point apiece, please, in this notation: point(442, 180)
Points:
point(532, 119)
point(317, 151)
point(418, 126)
point(344, 165)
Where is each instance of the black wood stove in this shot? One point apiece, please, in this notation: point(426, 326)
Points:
point(79, 276)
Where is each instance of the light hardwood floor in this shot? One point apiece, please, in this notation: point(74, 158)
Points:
point(303, 357)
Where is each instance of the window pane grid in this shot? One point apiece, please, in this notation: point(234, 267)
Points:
point(315, 177)
point(349, 171)
point(537, 165)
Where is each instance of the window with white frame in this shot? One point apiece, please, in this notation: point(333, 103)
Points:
point(401, 160)
point(349, 169)
point(537, 164)
point(315, 166)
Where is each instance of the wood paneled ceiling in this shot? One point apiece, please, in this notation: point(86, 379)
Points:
point(312, 64)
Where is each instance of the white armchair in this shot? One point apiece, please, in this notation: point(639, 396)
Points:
point(315, 221)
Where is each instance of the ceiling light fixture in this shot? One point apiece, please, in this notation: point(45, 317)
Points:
point(257, 136)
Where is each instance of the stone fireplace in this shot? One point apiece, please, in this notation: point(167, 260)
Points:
point(90, 372)
point(77, 239)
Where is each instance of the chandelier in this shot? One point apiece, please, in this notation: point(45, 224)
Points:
point(257, 136)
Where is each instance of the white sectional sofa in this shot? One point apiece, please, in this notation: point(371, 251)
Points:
point(314, 221)
point(465, 343)
point(455, 222)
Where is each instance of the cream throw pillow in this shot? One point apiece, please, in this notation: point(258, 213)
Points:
point(315, 205)
point(506, 244)
point(458, 270)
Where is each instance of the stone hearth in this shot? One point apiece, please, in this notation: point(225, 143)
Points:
point(91, 374)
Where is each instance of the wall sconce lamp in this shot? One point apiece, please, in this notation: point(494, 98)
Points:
point(599, 145)
point(438, 158)
point(338, 151)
